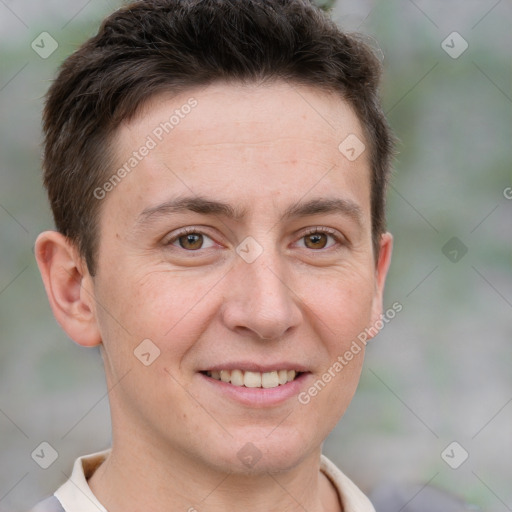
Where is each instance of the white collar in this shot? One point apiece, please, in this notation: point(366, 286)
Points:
point(75, 495)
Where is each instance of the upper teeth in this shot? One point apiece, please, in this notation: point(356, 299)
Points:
point(254, 379)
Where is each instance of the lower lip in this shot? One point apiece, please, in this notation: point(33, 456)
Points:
point(258, 397)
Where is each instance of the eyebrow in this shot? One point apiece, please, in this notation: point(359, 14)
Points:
point(325, 205)
point(195, 204)
point(206, 206)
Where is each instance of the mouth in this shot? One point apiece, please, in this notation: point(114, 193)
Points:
point(254, 379)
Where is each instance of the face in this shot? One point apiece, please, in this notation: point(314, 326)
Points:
point(239, 248)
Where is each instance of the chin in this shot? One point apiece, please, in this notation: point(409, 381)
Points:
point(260, 451)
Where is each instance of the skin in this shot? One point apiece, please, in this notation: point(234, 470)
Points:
point(261, 148)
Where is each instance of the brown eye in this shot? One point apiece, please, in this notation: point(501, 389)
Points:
point(316, 240)
point(191, 241)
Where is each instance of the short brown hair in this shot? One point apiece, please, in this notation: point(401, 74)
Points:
point(152, 46)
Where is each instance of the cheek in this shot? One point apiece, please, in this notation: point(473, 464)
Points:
point(168, 308)
point(173, 303)
point(343, 307)
point(339, 309)
point(347, 312)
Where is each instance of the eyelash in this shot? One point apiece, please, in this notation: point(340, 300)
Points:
point(328, 231)
point(185, 232)
point(339, 239)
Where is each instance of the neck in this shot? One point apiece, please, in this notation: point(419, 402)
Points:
point(138, 476)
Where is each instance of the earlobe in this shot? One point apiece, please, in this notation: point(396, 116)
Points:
point(68, 286)
point(381, 271)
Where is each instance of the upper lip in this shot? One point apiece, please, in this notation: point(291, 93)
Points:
point(246, 366)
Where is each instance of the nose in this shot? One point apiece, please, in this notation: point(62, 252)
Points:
point(261, 300)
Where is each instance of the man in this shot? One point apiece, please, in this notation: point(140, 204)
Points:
point(217, 174)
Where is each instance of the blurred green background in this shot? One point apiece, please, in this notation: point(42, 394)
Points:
point(439, 371)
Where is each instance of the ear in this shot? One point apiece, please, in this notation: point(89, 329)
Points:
point(69, 287)
point(381, 271)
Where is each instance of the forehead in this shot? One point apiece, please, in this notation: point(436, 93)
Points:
point(264, 142)
point(225, 109)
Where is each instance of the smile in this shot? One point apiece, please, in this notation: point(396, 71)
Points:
point(251, 379)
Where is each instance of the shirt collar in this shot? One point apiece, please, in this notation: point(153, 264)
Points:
point(76, 496)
